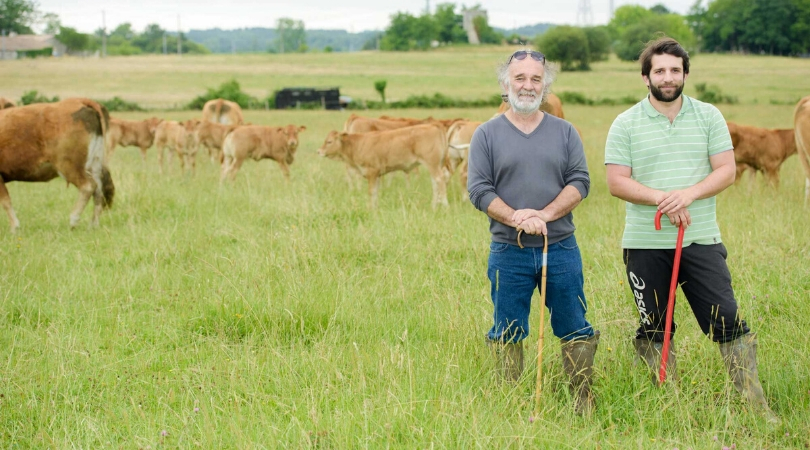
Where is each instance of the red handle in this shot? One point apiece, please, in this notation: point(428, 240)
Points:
point(673, 286)
point(658, 215)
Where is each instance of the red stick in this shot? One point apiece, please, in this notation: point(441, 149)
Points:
point(673, 286)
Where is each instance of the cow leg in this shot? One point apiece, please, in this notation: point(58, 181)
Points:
point(351, 175)
point(143, 153)
point(86, 190)
point(233, 168)
point(439, 187)
point(373, 187)
point(161, 150)
point(773, 177)
point(5, 200)
point(285, 170)
point(226, 164)
point(804, 157)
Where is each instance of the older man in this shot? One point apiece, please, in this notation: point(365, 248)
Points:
point(527, 171)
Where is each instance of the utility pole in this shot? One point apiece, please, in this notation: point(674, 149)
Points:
point(103, 34)
point(2, 41)
point(179, 44)
point(584, 13)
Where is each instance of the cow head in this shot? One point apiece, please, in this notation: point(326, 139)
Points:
point(291, 134)
point(152, 124)
point(333, 145)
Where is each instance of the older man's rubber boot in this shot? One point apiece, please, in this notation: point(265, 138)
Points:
point(649, 352)
point(740, 358)
point(577, 358)
point(509, 359)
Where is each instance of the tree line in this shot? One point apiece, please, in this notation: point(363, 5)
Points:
point(774, 27)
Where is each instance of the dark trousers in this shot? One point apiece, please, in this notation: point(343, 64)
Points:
point(704, 279)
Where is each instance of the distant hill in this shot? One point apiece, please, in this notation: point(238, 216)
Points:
point(263, 39)
point(528, 31)
point(244, 40)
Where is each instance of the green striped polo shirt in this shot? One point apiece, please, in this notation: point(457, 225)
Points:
point(668, 156)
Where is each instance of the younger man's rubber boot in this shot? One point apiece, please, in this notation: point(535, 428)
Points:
point(649, 352)
point(740, 358)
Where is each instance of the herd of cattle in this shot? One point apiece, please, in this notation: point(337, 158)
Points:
point(73, 139)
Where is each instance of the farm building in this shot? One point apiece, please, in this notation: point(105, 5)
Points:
point(18, 45)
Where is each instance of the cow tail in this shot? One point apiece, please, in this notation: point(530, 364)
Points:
point(107, 187)
point(450, 132)
point(96, 165)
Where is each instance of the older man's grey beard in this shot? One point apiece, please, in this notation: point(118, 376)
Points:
point(524, 107)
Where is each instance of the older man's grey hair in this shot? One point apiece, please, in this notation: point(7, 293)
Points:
point(550, 75)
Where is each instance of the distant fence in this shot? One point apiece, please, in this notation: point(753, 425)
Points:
point(307, 97)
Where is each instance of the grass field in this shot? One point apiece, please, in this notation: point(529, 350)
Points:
point(267, 314)
point(162, 82)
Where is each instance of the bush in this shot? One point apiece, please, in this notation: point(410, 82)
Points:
point(578, 98)
point(567, 45)
point(229, 90)
point(31, 97)
point(636, 36)
point(117, 104)
point(713, 94)
point(437, 100)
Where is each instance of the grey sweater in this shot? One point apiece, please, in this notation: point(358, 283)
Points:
point(526, 171)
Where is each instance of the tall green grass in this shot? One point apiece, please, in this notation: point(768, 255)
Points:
point(273, 314)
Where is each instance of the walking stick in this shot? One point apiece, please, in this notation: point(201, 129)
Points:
point(541, 329)
point(673, 286)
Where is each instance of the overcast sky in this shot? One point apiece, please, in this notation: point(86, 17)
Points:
point(351, 15)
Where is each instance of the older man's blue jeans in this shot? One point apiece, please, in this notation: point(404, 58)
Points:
point(515, 273)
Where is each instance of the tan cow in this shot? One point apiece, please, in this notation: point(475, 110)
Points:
point(135, 133)
point(761, 149)
point(40, 142)
point(376, 153)
point(172, 136)
point(259, 142)
point(222, 111)
point(211, 136)
point(359, 124)
point(552, 105)
point(6, 103)
point(801, 122)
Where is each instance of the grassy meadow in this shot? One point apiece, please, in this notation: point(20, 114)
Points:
point(273, 314)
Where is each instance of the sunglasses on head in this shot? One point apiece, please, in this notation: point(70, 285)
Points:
point(520, 55)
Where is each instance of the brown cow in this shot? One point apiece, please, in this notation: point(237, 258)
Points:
point(551, 105)
point(6, 103)
point(172, 136)
point(135, 133)
point(211, 136)
point(40, 142)
point(222, 111)
point(259, 142)
point(359, 124)
point(376, 153)
point(801, 123)
point(761, 149)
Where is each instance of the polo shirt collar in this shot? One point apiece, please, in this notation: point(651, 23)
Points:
point(686, 106)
